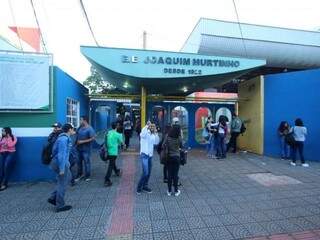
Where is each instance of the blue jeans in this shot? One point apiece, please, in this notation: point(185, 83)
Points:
point(62, 181)
point(285, 148)
point(221, 146)
point(7, 163)
point(84, 156)
point(211, 145)
point(298, 146)
point(146, 171)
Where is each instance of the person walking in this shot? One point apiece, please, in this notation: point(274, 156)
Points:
point(236, 124)
point(112, 141)
point(61, 166)
point(148, 139)
point(85, 136)
point(7, 151)
point(174, 143)
point(299, 132)
point(127, 125)
point(283, 131)
point(159, 149)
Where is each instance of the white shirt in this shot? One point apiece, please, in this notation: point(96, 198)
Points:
point(147, 141)
point(299, 133)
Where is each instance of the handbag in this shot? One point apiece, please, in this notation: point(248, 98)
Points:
point(289, 138)
point(103, 153)
point(164, 154)
point(183, 156)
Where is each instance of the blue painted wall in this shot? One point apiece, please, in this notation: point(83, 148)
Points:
point(28, 161)
point(287, 97)
point(68, 87)
point(191, 108)
point(28, 156)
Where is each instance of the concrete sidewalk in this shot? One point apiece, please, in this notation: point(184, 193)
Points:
point(242, 197)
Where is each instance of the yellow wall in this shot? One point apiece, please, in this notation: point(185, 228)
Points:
point(251, 110)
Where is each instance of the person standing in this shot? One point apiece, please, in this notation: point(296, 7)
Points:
point(61, 166)
point(283, 131)
point(85, 136)
point(174, 143)
point(148, 138)
point(127, 125)
point(159, 149)
point(112, 141)
point(299, 133)
point(73, 158)
point(222, 131)
point(236, 124)
point(55, 132)
point(7, 151)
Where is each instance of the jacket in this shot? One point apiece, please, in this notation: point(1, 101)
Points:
point(61, 152)
point(174, 146)
point(7, 144)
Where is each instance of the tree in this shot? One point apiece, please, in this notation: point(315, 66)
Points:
point(96, 83)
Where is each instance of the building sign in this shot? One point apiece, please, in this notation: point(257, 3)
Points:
point(25, 82)
point(176, 65)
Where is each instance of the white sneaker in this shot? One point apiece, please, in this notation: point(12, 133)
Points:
point(293, 164)
point(305, 165)
point(177, 193)
point(168, 193)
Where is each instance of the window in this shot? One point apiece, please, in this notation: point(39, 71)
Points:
point(73, 113)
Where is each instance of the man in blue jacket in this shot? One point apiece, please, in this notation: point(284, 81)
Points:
point(61, 166)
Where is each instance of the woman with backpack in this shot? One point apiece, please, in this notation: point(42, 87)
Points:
point(7, 161)
point(283, 131)
point(174, 144)
point(299, 133)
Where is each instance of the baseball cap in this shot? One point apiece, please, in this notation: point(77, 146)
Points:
point(57, 124)
point(175, 120)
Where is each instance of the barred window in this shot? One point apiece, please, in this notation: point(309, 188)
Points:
point(73, 112)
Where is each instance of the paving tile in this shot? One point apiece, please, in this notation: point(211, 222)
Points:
point(65, 234)
point(163, 236)
point(201, 234)
point(183, 235)
point(161, 226)
point(178, 224)
point(228, 219)
point(143, 237)
point(46, 235)
point(255, 229)
point(238, 231)
point(142, 227)
point(272, 227)
point(196, 222)
point(220, 233)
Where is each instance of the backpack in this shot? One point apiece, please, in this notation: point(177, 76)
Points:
point(243, 128)
point(103, 153)
point(46, 155)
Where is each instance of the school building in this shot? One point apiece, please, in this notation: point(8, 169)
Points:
point(275, 70)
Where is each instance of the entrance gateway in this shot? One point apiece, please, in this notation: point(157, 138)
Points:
point(160, 75)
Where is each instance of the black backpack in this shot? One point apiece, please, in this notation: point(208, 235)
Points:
point(243, 128)
point(46, 156)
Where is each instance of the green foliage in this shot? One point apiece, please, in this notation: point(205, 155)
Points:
point(96, 83)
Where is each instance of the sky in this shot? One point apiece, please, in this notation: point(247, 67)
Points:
point(120, 23)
